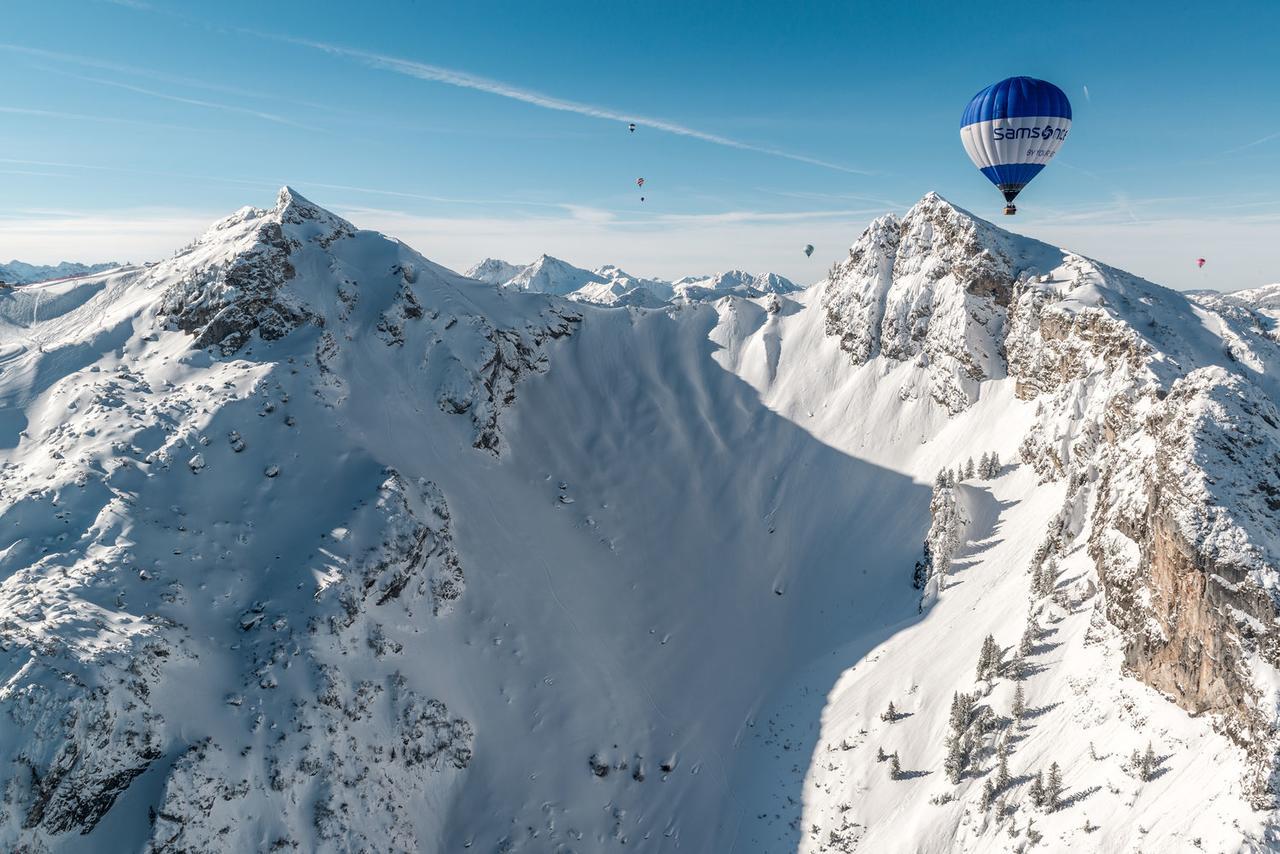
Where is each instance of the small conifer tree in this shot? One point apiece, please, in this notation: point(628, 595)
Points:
point(1037, 790)
point(1147, 766)
point(1019, 702)
point(1002, 769)
point(1053, 789)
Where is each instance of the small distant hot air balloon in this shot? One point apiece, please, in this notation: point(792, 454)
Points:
point(808, 249)
point(639, 182)
point(1011, 129)
point(1199, 262)
point(632, 127)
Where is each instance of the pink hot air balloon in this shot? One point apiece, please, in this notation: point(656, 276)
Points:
point(1199, 262)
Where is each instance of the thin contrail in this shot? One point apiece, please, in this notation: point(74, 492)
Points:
point(197, 102)
point(58, 114)
point(1266, 138)
point(465, 80)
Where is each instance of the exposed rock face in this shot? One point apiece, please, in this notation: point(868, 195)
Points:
point(1187, 558)
point(1167, 425)
point(932, 288)
point(232, 279)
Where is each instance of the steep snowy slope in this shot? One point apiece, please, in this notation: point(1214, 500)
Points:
point(308, 543)
point(271, 558)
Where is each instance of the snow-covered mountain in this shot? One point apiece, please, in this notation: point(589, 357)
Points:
point(1264, 300)
point(547, 275)
point(610, 285)
point(494, 272)
point(19, 273)
point(308, 543)
point(737, 282)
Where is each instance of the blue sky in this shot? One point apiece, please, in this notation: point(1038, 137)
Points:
point(474, 129)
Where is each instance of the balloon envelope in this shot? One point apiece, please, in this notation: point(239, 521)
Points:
point(1199, 262)
point(1011, 129)
point(639, 182)
point(808, 249)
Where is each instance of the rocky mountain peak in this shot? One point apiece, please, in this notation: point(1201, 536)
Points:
point(931, 288)
point(309, 220)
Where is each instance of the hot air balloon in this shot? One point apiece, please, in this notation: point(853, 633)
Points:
point(632, 127)
point(808, 249)
point(1199, 262)
point(1011, 129)
point(639, 182)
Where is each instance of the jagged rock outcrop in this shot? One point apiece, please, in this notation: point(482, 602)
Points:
point(1166, 423)
point(231, 281)
point(1184, 538)
point(931, 288)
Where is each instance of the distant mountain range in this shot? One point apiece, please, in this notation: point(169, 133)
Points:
point(610, 285)
point(20, 273)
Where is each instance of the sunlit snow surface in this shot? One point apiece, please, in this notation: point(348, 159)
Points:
point(687, 543)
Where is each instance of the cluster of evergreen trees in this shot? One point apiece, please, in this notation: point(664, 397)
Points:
point(969, 724)
point(895, 765)
point(947, 523)
point(1047, 794)
point(987, 468)
point(1044, 577)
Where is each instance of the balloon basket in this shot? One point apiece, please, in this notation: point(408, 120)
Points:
point(1010, 210)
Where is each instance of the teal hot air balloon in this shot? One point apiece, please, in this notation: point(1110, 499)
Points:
point(1011, 129)
point(808, 249)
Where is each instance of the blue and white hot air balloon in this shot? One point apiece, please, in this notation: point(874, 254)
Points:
point(1011, 129)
